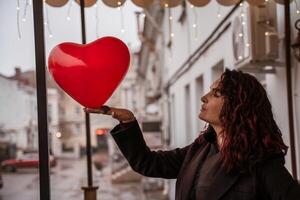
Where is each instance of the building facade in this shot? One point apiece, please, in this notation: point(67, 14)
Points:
point(197, 44)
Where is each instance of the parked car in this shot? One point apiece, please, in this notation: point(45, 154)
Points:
point(29, 160)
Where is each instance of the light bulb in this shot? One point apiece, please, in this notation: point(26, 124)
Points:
point(194, 25)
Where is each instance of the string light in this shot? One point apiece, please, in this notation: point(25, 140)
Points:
point(25, 11)
point(241, 4)
point(18, 19)
point(122, 19)
point(47, 23)
point(297, 7)
point(219, 14)
point(69, 11)
point(195, 24)
point(97, 19)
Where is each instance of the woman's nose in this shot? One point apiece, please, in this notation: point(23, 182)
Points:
point(203, 99)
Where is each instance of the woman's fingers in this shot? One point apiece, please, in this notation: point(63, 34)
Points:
point(116, 113)
point(103, 110)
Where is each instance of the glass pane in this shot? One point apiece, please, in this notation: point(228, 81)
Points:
point(18, 103)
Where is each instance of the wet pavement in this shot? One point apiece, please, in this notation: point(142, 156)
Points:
point(67, 178)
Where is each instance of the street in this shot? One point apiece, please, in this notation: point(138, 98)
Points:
point(67, 178)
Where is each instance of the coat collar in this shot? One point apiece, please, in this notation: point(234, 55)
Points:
point(196, 157)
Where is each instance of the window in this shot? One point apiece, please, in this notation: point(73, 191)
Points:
point(188, 123)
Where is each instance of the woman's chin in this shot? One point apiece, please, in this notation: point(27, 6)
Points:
point(200, 116)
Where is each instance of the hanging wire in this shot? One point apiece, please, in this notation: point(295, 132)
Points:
point(18, 19)
point(69, 10)
point(97, 19)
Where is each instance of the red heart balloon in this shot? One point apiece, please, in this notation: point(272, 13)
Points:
point(90, 73)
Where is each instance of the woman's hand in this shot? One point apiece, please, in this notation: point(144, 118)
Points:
point(123, 115)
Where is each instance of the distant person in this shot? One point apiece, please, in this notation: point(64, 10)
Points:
point(239, 155)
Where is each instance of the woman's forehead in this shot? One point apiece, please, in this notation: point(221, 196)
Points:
point(215, 84)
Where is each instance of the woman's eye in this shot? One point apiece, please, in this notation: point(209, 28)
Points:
point(217, 93)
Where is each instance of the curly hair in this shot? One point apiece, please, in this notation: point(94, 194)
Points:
point(250, 132)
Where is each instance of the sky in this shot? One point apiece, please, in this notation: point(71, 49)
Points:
point(18, 51)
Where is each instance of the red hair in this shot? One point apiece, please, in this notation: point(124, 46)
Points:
point(250, 132)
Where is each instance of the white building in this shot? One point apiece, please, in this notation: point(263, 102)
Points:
point(198, 43)
point(18, 118)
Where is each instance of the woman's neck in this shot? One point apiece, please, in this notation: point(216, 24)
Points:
point(218, 130)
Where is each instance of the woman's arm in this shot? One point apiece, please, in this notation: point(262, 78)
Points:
point(163, 164)
point(129, 138)
point(278, 182)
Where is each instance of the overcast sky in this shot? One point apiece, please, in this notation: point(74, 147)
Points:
point(20, 52)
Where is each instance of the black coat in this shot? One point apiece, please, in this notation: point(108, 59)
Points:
point(270, 182)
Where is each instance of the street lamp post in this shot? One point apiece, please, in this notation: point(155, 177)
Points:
point(90, 192)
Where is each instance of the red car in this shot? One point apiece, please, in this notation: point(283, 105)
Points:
point(26, 161)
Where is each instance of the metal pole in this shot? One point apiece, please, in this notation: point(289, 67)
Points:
point(289, 85)
point(89, 191)
point(41, 100)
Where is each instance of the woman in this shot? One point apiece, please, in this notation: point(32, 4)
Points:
point(240, 155)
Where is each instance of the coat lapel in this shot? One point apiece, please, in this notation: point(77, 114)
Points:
point(185, 182)
point(221, 184)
